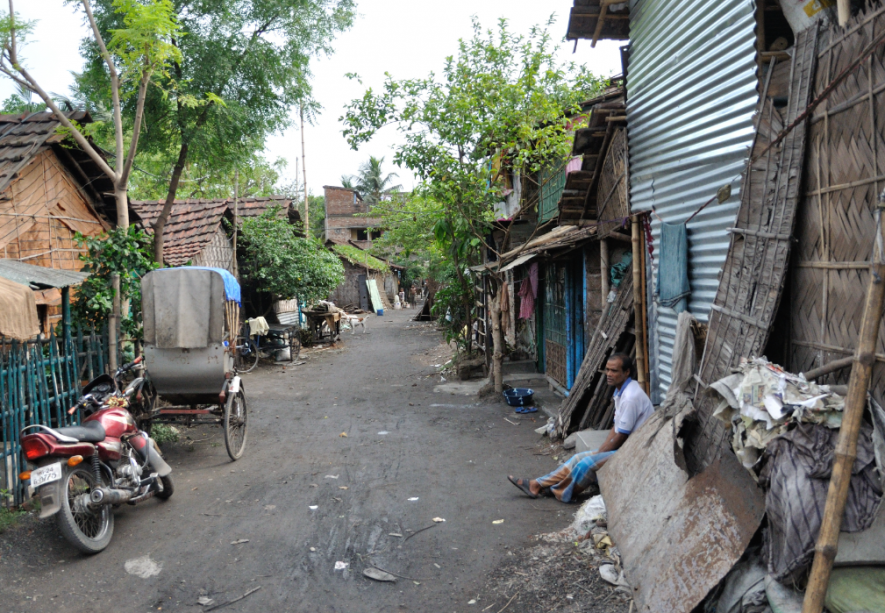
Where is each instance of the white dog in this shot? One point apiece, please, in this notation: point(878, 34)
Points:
point(357, 320)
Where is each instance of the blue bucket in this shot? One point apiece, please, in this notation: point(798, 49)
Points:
point(519, 396)
point(380, 312)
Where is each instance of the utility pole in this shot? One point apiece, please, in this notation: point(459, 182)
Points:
point(304, 170)
point(236, 217)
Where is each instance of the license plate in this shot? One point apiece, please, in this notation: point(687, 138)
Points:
point(47, 474)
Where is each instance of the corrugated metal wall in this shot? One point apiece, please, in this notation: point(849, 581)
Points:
point(691, 92)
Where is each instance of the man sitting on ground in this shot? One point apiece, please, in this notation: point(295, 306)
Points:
point(632, 408)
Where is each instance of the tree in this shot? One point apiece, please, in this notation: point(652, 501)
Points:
point(240, 67)
point(371, 183)
point(285, 265)
point(125, 252)
point(136, 52)
point(22, 102)
point(503, 98)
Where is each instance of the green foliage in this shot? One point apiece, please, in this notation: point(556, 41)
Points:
point(145, 42)
point(503, 97)
point(163, 433)
point(357, 256)
point(254, 56)
point(371, 183)
point(8, 517)
point(126, 252)
point(256, 177)
point(281, 263)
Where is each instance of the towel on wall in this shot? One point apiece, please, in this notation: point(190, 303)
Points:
point(673, 285)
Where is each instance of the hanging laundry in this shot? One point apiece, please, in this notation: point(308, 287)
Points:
point(673, 286)
point(527, 299)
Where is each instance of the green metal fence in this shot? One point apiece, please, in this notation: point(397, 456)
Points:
point(39, 380)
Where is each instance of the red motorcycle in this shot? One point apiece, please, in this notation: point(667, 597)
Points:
point(82, 472)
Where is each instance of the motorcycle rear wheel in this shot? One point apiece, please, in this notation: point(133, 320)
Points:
point(235, 419)
point(88, 531)
point(168, 488)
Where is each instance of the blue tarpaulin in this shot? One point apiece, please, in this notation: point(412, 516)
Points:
point(231, 285)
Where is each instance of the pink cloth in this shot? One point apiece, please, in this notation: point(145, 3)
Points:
point(528, 293)
point(574, 165)
point(527, 301)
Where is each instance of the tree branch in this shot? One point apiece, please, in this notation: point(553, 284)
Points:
point(115, 89)
point(32, 84)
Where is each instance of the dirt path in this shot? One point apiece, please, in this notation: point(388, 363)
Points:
point(403, 441)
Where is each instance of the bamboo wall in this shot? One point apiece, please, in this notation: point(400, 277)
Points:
point(40, 212)
point(219, 253)
point(845, 170)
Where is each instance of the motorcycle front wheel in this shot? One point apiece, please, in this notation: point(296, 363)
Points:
point(88, 530)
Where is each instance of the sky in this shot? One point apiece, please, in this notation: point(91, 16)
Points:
point(405, 38)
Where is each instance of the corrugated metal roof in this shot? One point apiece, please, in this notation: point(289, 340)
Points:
point(691, 97)
point(584, 16)
point(38, 276)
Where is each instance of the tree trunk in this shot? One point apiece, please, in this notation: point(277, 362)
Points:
point(160, 224)
point(497, 339)
point(122, 198)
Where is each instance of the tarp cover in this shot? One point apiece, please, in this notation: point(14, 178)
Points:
point(18, 311)
point(183, 307)
point(231, 285)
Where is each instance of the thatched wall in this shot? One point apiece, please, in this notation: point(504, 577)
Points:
point(845, 170)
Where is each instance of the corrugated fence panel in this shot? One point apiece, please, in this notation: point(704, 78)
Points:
point(691, 93)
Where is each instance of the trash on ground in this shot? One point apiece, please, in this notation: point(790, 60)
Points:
point(340, 565)
point(205, 601)
point(330, 477)
point(343, 434)
point(342, 487)
point(313, 507)
point(438, 519)
point(413, 499)
point(498, 521)
point(378, 575)
point(239, 541)
point(383, 432)
point(610, 574)
point(395, 534)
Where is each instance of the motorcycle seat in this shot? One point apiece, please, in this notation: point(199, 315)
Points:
point(89, 432)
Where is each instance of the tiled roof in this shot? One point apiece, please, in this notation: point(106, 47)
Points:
point(22, 137)
point(253, 207)
point(25, 135)
point(193, 223)
point(190, 226)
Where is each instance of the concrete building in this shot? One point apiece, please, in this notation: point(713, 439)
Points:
point(348, 217)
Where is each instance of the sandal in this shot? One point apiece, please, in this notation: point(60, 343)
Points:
point(523, 485)
point(524, 410)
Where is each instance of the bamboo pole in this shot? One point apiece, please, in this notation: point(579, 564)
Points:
point(304, 170)
point(604, 272)
point(844, 7)
point(643, 318)
point(114, 324)
point(846, 447)
point(637, 302)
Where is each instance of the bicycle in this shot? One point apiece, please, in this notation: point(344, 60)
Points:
point(249, 348)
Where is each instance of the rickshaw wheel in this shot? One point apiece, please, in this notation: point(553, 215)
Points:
point(235, 417)
point(295, 346)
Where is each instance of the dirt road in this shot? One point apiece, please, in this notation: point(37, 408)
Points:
point(306, 497)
